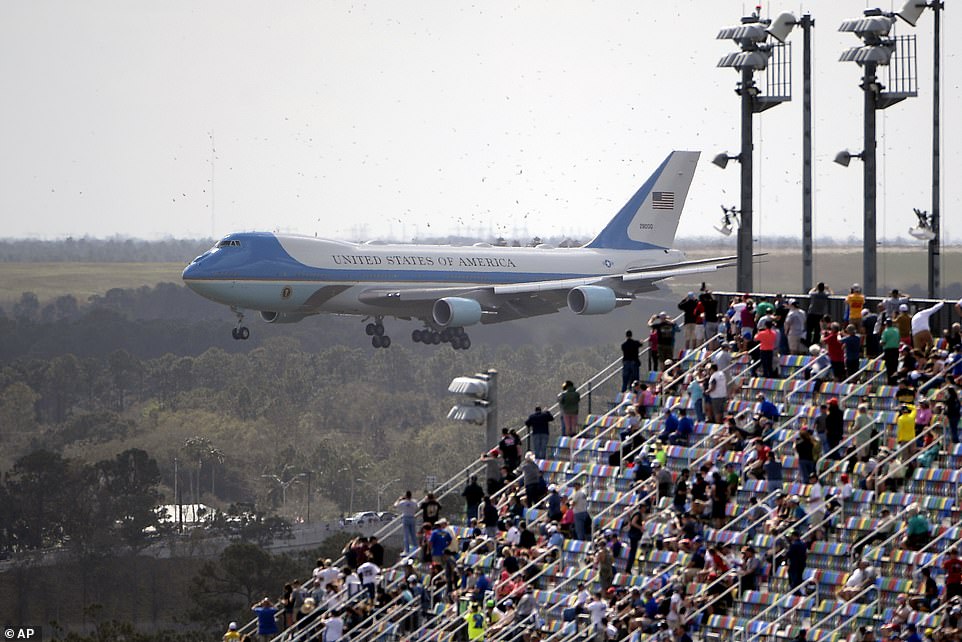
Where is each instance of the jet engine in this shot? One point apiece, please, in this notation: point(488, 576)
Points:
point(280, 317)
point(456, 312)
point(591, 299)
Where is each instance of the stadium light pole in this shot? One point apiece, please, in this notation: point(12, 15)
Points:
point(877, 49)
point(751, 35)
point(806, 23)
point(910, 13)
point(481, 408)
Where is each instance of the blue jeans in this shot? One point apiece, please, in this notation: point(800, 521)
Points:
point(581, 526)
point(699, 409)
point(630, 372)
point(805, 468)
point(409, 525)
point(539, 444)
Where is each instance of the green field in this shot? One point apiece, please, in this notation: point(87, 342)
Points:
point(49, 280)
point(779, 271)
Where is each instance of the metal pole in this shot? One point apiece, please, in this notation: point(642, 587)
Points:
point(491, 432)
point(744, 263)
point(807, 23)
point(309, 476)
point(936, 242)
point(869, 262)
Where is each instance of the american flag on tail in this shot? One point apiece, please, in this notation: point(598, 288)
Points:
point(662, 200)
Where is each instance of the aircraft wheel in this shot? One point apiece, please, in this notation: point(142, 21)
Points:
point(446, 335)
point(369, 329)
point(378, 330)
point(435, 338)
point(234, 334)
point(465, 342)
point(456, 343)
point(244, 333)
point(416, 336)
point(376, 341)
point(385, 341)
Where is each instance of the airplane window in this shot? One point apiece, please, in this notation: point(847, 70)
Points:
point(228, 243)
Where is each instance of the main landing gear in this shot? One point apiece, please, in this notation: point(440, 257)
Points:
point(457, 337)
point(376, 332)
point(240, 333)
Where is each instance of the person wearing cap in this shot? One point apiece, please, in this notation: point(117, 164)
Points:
point(905, 429)
point(476, 621)
point(689, 307)
point(797, 556)
point(579, 507)
point(665, 329)
point(232, 635)
point(749, 570)
point(921, 332)
point(630, 361)
point(856, 303)
point(903, 321)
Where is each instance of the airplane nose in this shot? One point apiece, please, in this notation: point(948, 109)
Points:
point(191, 272)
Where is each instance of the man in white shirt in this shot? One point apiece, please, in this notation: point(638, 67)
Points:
point(368, 572)
point(579, 506)
point(513, 536)
point(717, 392)
point(333, 627)
point(857, 581)
point(921, 334)
point(597, 609)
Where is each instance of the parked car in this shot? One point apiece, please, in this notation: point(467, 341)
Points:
point(363, 518)
point(387, 516)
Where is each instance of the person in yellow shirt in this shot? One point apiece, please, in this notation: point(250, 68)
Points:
point(905, 429)
point(232, 634)
point(476, 622)
point(856, 303)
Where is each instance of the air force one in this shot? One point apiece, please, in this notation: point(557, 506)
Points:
point(288, 277)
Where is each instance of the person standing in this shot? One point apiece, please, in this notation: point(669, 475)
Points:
point(579, 507)
point(852, 346)
point(766, 339)
point(797, 558)
point(665, 329)
point(921, 333)
point(266, 624)
point(953, 573)
point(473, 496)
point(630, 361)
point(856, 303)
point(408, 508)
point(709, 305)
point(569, 400)
point(688, 306)
point(817, 308)
point(717, 393)
point(540, 431)
point(890, 349)
point(795, 327)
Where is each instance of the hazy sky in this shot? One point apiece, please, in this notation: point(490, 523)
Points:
point(391, 119)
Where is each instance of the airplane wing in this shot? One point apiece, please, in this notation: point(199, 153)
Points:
point(506, 302)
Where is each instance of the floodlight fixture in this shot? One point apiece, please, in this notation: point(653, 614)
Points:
point(782, 25)
point(721, 160)
point(845, 157)
point(923, 231)
point(728, 221)
point(912, 10)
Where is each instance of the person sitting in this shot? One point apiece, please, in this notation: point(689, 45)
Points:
point(857, 582)
point(918, 531)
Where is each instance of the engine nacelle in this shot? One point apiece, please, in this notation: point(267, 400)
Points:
point(280, 317)
point(452, 311)
point(591, 299)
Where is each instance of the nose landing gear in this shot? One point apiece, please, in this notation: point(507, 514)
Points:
point(240, 333)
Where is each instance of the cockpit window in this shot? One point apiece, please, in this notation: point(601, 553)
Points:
point(228, 243)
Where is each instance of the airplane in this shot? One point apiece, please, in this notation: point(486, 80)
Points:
point(289, 277)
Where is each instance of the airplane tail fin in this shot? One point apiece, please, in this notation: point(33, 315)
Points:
point(649, 219)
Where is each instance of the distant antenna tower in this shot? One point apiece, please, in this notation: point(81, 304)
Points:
point(212, 232)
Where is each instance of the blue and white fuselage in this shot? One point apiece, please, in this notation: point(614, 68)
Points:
point(288, 277)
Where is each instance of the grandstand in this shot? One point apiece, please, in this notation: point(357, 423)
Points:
point(858, 522)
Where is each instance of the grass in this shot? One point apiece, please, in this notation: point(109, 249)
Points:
point(50, 280)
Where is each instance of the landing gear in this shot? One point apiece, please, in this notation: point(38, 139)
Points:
point(240, 333)
point(376, 332)
point(457, 337)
